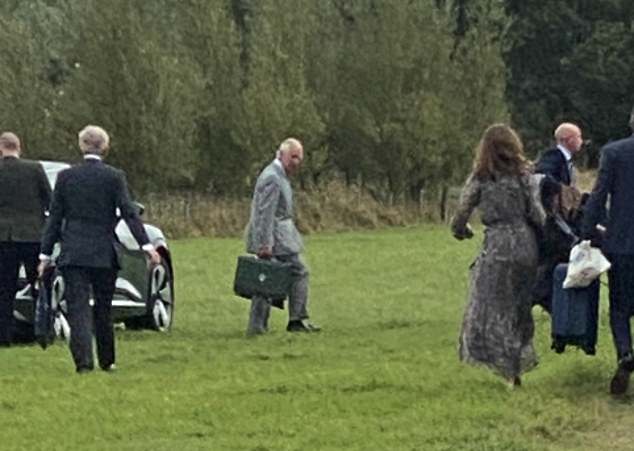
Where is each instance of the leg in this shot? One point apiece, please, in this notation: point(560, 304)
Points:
point(621, 297)
point(298, 296)
point(258, 316)
point(9, 267)
point(621, 292)
point(79, 316)
point(29, 256)
point(103, 282)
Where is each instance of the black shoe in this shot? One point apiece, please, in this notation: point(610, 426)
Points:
point(83, 370)
point(302, 326)
point(620, 381)
point(109, 368)
point(627, 362)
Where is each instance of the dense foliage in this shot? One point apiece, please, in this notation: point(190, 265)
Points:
point(390, 96)
point(198, 93)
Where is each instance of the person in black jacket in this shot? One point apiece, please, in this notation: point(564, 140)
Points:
point(557, 162)
point(25, 195)
point(83, 218)
point(557, 235)
point(615, 178)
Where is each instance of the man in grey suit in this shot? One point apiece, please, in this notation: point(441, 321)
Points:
point(271, 233)
point(25, 195)
point(615, 181)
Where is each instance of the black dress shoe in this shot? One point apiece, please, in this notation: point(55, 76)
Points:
point(83, 370)
point(620, 381)
point(627, 362)
point(109, 368)
point(302, 326)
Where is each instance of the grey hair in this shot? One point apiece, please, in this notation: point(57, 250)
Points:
point(93, 139)
point(632, 119)
point(287, 145)
point(564, 129)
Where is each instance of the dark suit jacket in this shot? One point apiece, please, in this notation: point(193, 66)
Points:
point(25, 195)
point(83, 215)
point(616, 178)
point(553, 163)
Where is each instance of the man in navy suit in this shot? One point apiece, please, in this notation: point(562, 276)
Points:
point(616, 179)
point(83, 218)
point(557, 162)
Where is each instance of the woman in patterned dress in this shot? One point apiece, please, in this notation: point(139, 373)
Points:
point(497, 330)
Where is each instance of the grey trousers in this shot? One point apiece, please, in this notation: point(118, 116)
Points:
point(297, 298)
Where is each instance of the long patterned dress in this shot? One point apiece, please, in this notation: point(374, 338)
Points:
point(497, 329)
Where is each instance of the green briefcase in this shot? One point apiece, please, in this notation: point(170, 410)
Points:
point(267, 278)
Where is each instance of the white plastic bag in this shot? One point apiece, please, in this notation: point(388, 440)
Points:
point(586, 264)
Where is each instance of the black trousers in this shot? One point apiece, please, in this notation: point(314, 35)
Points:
point(621, 284)
point(78, 281)
point(12, 255)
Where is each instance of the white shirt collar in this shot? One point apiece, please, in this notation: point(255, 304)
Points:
point(278, 163)
point(565, 151)
point(91, 156)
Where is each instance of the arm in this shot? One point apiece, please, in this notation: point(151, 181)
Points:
point(131, 217)
point(549, 164)
point(469, 199)
point(44, 189)
point(53, 227)
point(267, 200)
point(594, 210)
point(535, 212)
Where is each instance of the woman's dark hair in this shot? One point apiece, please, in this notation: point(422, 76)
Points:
point(500, 152)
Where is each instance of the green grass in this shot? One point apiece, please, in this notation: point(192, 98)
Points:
point(383, 374)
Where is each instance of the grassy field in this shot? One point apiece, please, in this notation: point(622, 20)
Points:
point(383, 374)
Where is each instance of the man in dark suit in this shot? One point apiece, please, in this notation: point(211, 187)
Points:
point(83, 218)
point(615, 178)
point(556, 237)
point(557, 162)
point(25, 195)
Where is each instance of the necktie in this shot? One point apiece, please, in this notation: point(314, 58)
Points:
point(573, 173)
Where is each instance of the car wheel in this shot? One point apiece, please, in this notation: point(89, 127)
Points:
point(58, 304)
point(161, 298)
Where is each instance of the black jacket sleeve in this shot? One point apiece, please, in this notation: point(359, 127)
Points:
point(129, 212)
point(53, 228)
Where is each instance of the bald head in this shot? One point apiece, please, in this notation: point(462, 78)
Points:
point(569, 136)
point(9, 144)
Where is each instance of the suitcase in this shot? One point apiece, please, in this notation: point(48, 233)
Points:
point(575, 313)
point(268, 278)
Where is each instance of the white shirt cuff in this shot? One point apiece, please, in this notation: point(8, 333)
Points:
point(45, 258)
point(148, 247)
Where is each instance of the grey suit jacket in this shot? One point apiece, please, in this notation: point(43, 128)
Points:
point(271, 222)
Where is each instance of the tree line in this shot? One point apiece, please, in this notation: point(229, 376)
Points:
point(387, 95)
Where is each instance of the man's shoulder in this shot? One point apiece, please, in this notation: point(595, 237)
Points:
point(552, 153)
point(625, 143)
point(269, 174)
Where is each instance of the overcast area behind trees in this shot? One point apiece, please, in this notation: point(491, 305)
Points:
point(388, 96)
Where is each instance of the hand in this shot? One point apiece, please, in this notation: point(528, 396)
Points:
point(265, 252)
point(468, 231)
point(155, 257)
point(41, 268)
